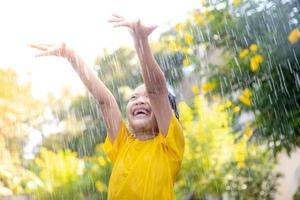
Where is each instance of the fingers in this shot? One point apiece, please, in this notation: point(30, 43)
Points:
point(43, 54)
point(135, 26)
point(151, 28)
point(119, 21)
point(122, 23)
point(39, 46)
point(118, 16)
point(115, 20)
point(42, 47)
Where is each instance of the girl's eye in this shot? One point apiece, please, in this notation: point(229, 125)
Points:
point(133, 97)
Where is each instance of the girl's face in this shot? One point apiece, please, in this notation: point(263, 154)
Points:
point(139, 112)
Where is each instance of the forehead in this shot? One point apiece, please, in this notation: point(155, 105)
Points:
point(139, 90)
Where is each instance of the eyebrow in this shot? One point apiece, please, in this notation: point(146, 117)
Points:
point(138, 94)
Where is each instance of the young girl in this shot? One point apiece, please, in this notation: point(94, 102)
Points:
point(147, 155)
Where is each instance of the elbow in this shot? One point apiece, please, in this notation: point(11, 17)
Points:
point(159, 87)
point(105, 101)
point(156, 85)
point(157, 90)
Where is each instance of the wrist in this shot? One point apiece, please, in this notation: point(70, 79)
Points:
point(69, 54)
point(140, 40)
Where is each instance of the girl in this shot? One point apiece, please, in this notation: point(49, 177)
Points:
point(147, 155)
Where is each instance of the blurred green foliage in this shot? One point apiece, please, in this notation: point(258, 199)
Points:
point(259, 45)
point(64, 175)
point(16, 118)
point(216, 161)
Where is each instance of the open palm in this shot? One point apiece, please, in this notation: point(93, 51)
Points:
point(50, 50)
point(138, 29)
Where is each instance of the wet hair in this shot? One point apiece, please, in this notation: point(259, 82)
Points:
point(173, 104)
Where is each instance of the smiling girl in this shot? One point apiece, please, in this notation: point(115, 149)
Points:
point(147, 155)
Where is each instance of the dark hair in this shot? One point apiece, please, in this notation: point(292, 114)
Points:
point(173, 104)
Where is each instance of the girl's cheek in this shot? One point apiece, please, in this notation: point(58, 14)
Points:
point(128, 109)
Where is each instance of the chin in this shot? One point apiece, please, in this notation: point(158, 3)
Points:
point(144, 124)
point(140, 124)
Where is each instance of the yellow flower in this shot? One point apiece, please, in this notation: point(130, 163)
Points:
point(239, 147)
point(236, 2)
point(240, 153)
point(101, 161)
point(294, 36)
point(241, 164)
point(186, 113)
point(240, 157)
point(181, 182)
point(246, 101)
point(253, 47)
point(186, 62)
point(220, 107)
point(245, 97)
point(243, 53)
point(178, 27)
point(207, 87)
point(186, 50)
point(100, 186)
point(174, 46)
point(206, 162)
point(255, 62)
point(188, 38)
point(248, 131)
point(247, 93)
point(206, 12)
point(228, 104)
point(188, 154)
point(254, 65)
point(198, 18)
point(259, 58)
point(195, 89)
point(198, 101)
point(236, 109)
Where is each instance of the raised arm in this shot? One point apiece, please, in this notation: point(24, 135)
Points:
point(153, 76)
point(109, 107)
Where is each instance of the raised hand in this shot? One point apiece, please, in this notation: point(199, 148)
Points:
point(50, 50)
point(153, 76)
point(109, 107)
point(138, 30)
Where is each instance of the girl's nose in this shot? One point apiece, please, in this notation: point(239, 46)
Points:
point(140, 100)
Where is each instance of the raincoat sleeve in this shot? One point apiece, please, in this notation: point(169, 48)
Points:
point(174, 141)
point(112, 150)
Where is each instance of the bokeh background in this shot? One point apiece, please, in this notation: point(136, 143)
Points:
point(232, 64)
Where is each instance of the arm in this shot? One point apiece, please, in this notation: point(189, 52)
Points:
point(109, 107)
point(153, 77)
